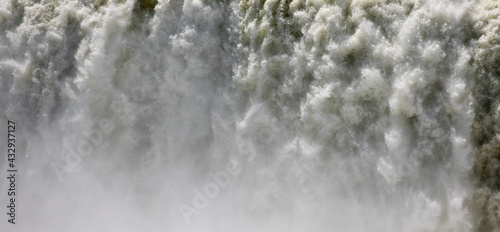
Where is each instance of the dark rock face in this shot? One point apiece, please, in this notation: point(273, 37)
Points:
point(485, 202)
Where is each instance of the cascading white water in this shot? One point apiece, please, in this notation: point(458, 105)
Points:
point(252, 115)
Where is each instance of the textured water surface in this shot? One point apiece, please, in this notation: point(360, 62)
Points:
point(252, 115)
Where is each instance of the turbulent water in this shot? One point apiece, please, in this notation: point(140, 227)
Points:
point(252, 115)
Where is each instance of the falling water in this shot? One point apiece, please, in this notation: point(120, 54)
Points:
point(251, 115)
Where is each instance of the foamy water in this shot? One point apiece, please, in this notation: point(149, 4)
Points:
point(302, 115)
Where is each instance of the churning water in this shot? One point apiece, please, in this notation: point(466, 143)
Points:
point(251, 115)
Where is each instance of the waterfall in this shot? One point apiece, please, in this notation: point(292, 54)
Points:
point(251, 115)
